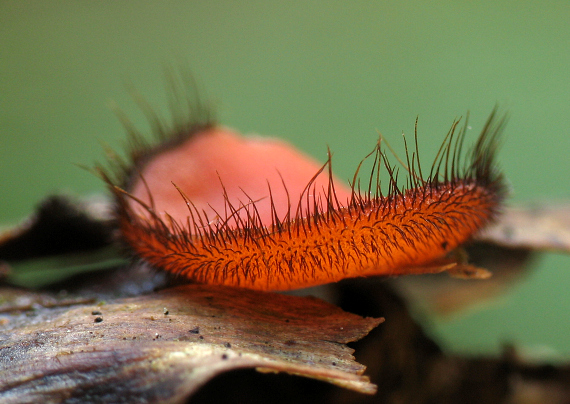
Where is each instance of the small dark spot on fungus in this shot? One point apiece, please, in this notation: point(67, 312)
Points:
point(290, 342)
point(201, 337)
point(195, 330)
point(96, 313)
point(287, 320)
point(165, 311)
point(98, 319)
point(444, 245)
point(228, 345)
point(334, 363)
point(224, 356)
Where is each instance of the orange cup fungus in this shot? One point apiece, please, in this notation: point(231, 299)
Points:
point(218, 208)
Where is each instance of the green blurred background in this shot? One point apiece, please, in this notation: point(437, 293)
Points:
point(317, 73)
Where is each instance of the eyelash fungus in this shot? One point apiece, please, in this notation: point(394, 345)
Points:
point(320, 239)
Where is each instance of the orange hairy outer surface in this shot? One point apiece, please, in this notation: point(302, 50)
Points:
point(316, 238)
point(382, 238)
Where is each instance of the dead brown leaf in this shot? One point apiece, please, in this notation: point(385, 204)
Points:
point(443, 294)
point(163, 346)
point(537, 226)
point(61, 224)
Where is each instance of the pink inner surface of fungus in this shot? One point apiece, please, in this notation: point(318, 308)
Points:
point(246, 167)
